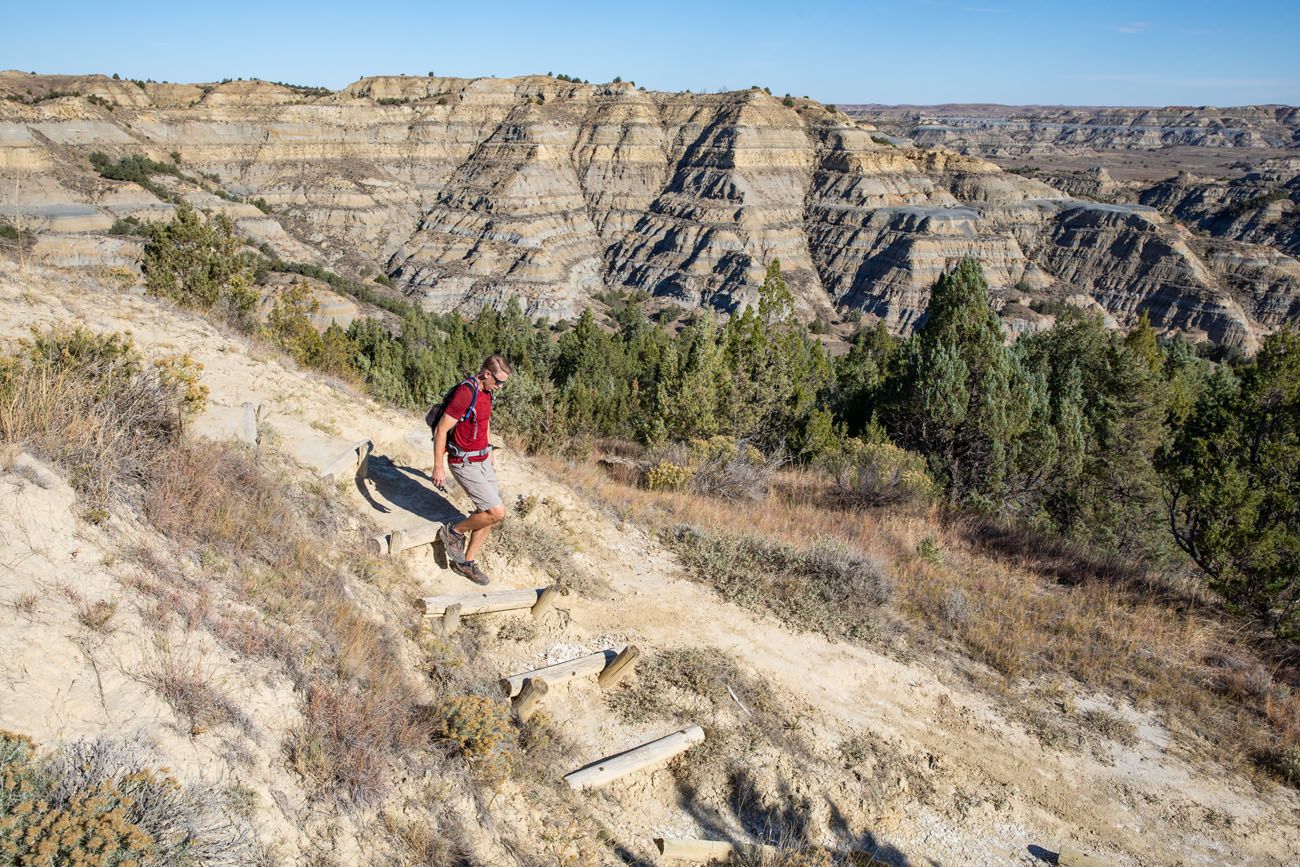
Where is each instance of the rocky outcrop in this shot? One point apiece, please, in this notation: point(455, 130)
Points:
point(733, 201)
point(1098, 248)
point(473, 191)
point(1261, 207)
point(1266, 281)
point(511, 220)
point(1001, 130)
point(1095, 183)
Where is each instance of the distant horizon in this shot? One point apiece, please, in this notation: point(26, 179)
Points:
point(1109, 53)
point(843, 104)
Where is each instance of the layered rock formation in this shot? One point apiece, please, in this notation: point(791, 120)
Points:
point(472, 191)
point(997, 130)
point(1261, 207)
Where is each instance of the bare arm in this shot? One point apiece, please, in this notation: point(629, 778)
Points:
point(440, 434)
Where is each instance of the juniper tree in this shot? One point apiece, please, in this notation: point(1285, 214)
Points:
point(964, 401)
point(862, 376)
point(1232, 484)
point(197, 264)
point(590, 371)
point(687, 401)
point(777, 370)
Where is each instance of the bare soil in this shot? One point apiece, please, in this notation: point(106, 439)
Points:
point(844, 743)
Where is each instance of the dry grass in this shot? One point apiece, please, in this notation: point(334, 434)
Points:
point(968, 590)
point(219, 497)
point(279, 548)
point(97, 616)
point(274, 557)
point(349, 734)
point(189, 687)
point(25, 472)
point(88, 404)
point(1109, 726)
point(423, 843)
point(680, 684)
point(742, 716)
point(284, 551)
point(26, 603)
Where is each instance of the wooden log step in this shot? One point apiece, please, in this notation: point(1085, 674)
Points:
point(481, 603)
point(413, 537)
point(546, 601)
point(620, 668)
point(353, 463)
point(592, 663)
point(691, 851)
point(530, 699)
point(451, 619)
point(641, 758)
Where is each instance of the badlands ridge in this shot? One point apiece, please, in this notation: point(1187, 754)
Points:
point(466, 192)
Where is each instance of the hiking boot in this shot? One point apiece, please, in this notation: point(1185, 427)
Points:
point(470, 570)
point(453, 543)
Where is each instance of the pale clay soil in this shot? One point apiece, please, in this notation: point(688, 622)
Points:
point(953, 782)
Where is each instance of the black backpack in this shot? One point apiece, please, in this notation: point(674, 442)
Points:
point(436, 412)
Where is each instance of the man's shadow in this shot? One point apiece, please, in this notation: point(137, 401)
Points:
point(403, 488)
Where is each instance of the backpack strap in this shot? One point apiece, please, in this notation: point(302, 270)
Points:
point(472, 382)
point(452, 449)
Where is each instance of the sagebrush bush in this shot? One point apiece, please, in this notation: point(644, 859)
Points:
point(476, 724)
point(870, 475)
point(103, 803)
point(482, 731)
point(665, 476)
point(734, 469)
point(826, 587)
point(1281, 762)
point(719, 466)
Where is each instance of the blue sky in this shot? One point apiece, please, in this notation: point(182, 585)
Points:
point(1094, 52)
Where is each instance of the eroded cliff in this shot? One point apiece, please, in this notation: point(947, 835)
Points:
point(469, 192)
point(993, 130)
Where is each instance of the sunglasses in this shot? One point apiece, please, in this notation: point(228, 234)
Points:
point(497, 378)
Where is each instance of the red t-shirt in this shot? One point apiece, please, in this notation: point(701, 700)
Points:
point(470, 435)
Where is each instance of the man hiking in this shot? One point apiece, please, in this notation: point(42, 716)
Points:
point(461, 436)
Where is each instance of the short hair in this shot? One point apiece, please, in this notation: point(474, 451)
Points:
point(497, 364)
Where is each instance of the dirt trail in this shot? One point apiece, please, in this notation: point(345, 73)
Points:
point(963, 785)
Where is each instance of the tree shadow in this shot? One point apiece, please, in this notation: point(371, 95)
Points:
point(405, 488)
point(785, 820)
point(712, 821)
point(864, 841)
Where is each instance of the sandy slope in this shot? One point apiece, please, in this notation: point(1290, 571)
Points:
point(952, 781)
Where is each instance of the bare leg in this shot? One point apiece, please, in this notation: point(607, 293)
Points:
point(480, 524)
point(476, 521)
point(476, 542)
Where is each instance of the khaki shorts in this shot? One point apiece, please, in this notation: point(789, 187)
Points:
point(479, 481)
